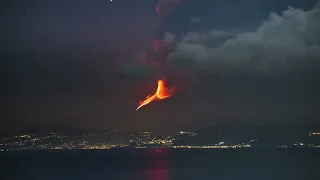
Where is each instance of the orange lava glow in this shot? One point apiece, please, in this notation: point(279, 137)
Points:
point(161, 93)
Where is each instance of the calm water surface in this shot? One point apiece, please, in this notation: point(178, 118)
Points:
point(147, 164)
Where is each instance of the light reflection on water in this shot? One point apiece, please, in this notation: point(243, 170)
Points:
point(159, 165)
point(157, 175)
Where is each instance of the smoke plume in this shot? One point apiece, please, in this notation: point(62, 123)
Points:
point(289, 41)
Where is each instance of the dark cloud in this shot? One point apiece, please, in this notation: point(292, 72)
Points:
point(284, 42)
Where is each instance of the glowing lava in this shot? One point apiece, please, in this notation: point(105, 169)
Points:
point(161, 93)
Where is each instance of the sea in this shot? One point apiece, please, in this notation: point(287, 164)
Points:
point(162, 164)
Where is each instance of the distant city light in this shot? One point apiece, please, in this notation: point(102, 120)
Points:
point(140, 139)
point(221, 143)
point(315, 133)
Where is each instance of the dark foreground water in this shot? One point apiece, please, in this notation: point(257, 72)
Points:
point(148, 164)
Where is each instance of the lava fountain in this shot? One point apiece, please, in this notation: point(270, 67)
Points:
point(161, 93)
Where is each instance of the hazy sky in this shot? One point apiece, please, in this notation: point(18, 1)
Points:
point(61, 60)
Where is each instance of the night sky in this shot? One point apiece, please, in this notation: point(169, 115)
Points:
point(61, 61)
